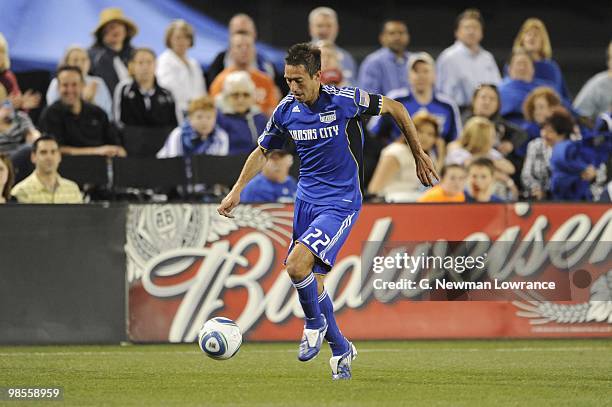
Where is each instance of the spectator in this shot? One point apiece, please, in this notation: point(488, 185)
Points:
point(199, 134)
point(95, 90)
point(331, 71)
point(537, 107)
point(571, 169)
point(385, 69)
point(16, 128)
point(176, 70)
point(323, 25)
point(273, 183)
point(395, 176)
point(45, 185)
point(23, 101)
point(79, 127)
point(7, 177)
point(450, 188)
point(239, 116)
point(533, 38)
point(517, 85)
point(243, 24)
point(535, 175)
point(140, 101)
point(595, 97)
point(242, 52)
point(112, 48)
point(421, 97)
point(465, 65)
point(481, 181)
point(486, 103)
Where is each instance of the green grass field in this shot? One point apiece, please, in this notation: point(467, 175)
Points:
point(411, 373)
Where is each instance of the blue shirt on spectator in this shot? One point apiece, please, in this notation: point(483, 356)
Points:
point(242, 129)
point(548, 70)
point(443, 108)
point(382, 71)
point(567, 163)
point(262, 189)
point(493, 198)
point(512, 94)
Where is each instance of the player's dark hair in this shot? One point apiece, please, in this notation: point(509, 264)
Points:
point(472, 13)
point(69, 68)
point(304, 54)
point(561, 121)
point(483, 162)
point(448, 167)
point(44, 137)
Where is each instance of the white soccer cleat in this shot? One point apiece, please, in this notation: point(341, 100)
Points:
point(311, 342)
point(341, 365)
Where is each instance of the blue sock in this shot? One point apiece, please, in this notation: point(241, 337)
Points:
point(307, 292)
point(334, 337)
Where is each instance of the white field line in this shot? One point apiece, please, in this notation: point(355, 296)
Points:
point(378, 350)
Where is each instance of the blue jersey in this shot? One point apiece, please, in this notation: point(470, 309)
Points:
point(261, 189)
point(329, 140)
point(442, 108)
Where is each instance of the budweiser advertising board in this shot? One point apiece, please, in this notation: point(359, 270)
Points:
point(186, 264)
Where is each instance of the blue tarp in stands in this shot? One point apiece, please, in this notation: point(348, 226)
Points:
point(38, 31)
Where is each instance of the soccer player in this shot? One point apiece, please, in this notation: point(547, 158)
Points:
point(324, 122)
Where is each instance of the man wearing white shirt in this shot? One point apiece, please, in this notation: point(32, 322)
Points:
point(465, 65)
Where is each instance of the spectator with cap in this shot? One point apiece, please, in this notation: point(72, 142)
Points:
point(323, 25)
point(595, 97)
point(21, 101)
point(421, 97)
point(80, 127)
point(243, 24)
point(45, 185)
point(95, 90)
point(239, 115)
point(385, 69)
point(273, 183)
point(140, 101)
point(533, 38)
point(465, 65)
point(242, 52)
point(112, 47)
point(176, 70)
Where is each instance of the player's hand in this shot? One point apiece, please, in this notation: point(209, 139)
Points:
point(425, 169)
point(228, 204)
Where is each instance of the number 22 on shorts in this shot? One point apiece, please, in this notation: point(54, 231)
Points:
point(317, 233)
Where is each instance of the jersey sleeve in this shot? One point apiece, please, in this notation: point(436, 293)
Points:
point(274, 135)
point(367, 103)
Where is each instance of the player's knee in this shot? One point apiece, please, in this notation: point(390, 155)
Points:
point(299, 263)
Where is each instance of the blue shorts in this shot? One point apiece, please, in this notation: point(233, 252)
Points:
point(323, 229)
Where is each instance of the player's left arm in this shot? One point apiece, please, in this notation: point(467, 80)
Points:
point(424, 166)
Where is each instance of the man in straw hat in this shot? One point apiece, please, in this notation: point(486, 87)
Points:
point(112, 49)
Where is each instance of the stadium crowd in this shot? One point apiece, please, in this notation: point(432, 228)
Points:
point(495, 135)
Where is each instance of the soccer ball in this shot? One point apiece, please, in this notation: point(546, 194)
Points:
point(220, 338)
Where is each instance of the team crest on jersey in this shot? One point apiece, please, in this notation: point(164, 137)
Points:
point(327, 117)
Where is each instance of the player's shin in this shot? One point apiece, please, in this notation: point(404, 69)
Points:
point(307, 293)
point(334, 337)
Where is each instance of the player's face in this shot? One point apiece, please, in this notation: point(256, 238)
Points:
point(70, 87)
point(485, 102)
point(427, 135)
point(454, 181)
point(480, 179)
point(395, 36)
point(521, 68)
point(304, 87)
point(469, 32)
point(541, 109)
point(324, 27)
point(47, 157)
point(203, 121)
point(421, 76)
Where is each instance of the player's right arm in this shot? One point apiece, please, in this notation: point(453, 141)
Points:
point(252, 166)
